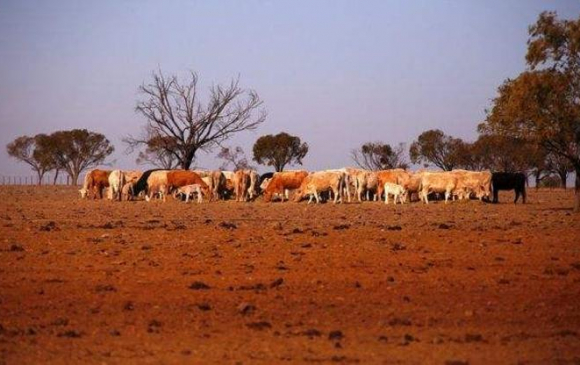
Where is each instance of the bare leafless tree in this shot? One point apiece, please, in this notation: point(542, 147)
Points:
point(172, 109)
point(234, 157)
point(158, 153)
point(380, 156)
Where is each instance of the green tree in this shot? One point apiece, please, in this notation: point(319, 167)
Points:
point(79, 150)
point(437, 148)
point(35, 152)
point(543, 103)
point(279, 150)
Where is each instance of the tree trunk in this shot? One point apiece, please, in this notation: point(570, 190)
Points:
point(538, 181)
point(40, 176)
point(55, 177)
point(563, 177)
point(74, 178)
point(188, 159)
point(577, 190)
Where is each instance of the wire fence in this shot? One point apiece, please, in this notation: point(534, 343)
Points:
point(61, 179)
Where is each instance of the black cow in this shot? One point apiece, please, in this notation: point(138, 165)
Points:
point(509, 181)
point(267, 175)
point(141, 184)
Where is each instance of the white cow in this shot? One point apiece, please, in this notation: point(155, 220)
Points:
point(116, 183)
point(396, 190)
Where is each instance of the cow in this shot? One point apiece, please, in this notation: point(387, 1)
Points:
point(130, 178)
point(127, 191)
point(142, 183)
point(116, 183)
point(95, 181)
point(264, 183)
point(150, 183)
point(254, 186)
point(395, 176)
point(263, 177)
point(157, 185)
point(509, 181)
point(215, 180)
point(189, 190)
point(437, 182)
point(321, 181)
point(227, 188)
point(179, 178)
point(241, 182)
point(348, 175)
point(412, 185)
point(397, 191)
point(365, 183)
point(469, 183)
point(283, 181)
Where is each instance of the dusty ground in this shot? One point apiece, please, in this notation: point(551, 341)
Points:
point(136, 282)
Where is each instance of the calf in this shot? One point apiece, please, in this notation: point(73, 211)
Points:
point(395, 176)
point(189, 190)
point(509, 181)
point(396, 190)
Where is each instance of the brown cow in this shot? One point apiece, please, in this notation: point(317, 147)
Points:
point(394, 176)
point(281, 181)
point(95, 180)
point(179, 178)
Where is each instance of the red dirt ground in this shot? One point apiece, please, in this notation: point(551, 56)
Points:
point(137, 282)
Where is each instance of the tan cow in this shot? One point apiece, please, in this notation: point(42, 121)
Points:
point(477, 183)
point(215, 180)
point(366, 182)
point(322, 181)
point(413, 184)
point(156, 184)
point(241, 184)
point(437, 182)
point(282, 181)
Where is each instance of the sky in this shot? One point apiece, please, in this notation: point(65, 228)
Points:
point(335, 73)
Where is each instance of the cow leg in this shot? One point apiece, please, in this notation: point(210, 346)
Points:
point(517, 195)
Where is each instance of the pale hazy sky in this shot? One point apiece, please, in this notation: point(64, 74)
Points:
point(335, 73)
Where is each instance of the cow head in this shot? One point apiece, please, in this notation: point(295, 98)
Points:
point(84, 192)
point(207, 192)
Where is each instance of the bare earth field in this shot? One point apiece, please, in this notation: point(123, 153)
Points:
point(136, 282)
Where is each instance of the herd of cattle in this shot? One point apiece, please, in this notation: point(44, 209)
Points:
point(339, 185)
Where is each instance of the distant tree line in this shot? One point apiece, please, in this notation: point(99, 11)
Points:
point(72, 152)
